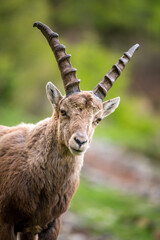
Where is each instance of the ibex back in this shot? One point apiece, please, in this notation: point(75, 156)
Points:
point(40, 164)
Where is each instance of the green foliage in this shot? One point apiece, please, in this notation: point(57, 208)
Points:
point(6, 77)
point(11, 115)
point(110, 18)
point(104, 210)
point(19, 49)
point(93, 62)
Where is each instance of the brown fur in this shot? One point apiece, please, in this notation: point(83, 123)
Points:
point(38, 172)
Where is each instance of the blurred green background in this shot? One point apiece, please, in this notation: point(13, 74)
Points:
point(96, 33)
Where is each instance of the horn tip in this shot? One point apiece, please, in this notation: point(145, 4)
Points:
point(36, 24)
point(132, 50)
point(136, 46)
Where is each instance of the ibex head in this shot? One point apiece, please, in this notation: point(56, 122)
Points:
point(79, 112)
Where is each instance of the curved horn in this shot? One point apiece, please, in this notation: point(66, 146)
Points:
point(68, 73)
point(107, 82)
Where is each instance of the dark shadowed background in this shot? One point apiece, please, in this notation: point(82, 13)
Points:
point(120, 189)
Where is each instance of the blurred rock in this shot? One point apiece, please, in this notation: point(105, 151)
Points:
point(115, 167)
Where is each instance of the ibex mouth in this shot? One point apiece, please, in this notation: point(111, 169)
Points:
point(76, 151)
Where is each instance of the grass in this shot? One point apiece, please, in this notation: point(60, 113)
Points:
point(125, 217)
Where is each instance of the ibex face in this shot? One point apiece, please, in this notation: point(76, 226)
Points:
point(78, 116)
point(80, 112)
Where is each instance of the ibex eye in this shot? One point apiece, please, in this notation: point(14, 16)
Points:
point(63, 113)
point(98, 120)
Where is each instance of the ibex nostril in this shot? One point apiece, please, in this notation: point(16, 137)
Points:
point(80, 143)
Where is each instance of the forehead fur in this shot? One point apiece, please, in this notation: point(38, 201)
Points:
point(82, 100)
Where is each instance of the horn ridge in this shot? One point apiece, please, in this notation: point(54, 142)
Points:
point(68, 73)
point(109, 79)
point(61, 59)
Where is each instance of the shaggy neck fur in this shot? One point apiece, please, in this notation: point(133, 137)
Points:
point(55, 157)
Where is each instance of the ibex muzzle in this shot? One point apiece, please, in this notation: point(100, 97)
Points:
point(78, 143)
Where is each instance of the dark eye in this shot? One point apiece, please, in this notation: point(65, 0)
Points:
point(98, 120)
point(63, 113)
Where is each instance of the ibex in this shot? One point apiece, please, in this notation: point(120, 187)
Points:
point(40, 164)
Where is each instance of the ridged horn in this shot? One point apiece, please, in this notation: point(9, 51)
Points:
point(68, 73)
point(107, 82)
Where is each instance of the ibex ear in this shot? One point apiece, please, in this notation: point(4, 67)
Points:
point(53, 94)
point(110, 105)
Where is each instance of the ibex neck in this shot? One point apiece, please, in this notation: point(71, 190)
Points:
point(53, 159)
point(64, 165)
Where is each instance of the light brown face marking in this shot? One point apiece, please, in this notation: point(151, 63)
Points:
point(78, 124)
point(81, 101)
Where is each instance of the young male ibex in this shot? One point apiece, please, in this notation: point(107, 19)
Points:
point(40, 164)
